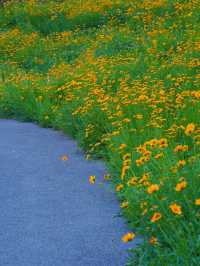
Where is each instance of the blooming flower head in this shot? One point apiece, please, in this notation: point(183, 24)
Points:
point(144, 178)
point(119, 187)
point(176, 209)
point(156, 216)
point(152, 142)
point(106, 177)
point(122, 146)
point(179, 148)
point(140, 161)
point(180, 186)
point(163, 143)
point(153, 188)
point(64, 158)
point(159, 155)
point(132, 181)
point(128, 237)
point(153, 240)
point(181, 163)
point(189, 129)
point(126, 156)
point(124, 205)
point(197, 202)
point(92, 179)
point(124, 170)
point(140, 149)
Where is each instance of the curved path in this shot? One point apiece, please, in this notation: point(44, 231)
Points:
point(49, 213)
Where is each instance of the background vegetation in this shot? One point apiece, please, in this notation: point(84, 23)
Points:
point(122, 77)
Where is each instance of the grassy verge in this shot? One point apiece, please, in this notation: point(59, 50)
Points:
point(122, 77)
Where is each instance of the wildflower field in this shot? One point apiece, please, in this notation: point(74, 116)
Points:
point(123, 78)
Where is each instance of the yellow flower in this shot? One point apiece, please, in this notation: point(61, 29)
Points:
point(130, 11)
point(124, 170)
point(181, 148)
point(153, 188)
point(122, 146)
point(144, 178)
point(128, 237)
point(159, 155)
point(143, 97)
point(119, 187)
point(152, 142)
point(92, 179)
point(189, 129)
point(64, 158)
point(132, 181)
point(156, 216)
point(124, 205)
point(181, 163)
point(197, 202)
point(106, 177)
point(147, 153)
point(126, 156)
point(176, 209)
point(163, 143)
point(140, 149)
point(153, 240)
point(140, 161)
point(180, 186)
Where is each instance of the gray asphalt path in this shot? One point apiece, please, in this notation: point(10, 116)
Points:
point(49, 213)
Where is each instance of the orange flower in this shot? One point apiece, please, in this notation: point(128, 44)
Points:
point(122, 146)
point(124, 170)
point(119, 187)
point(181, 163)
point(146, 153)
point(153, 240)
point(140, 149)
point(197, 202)
point(176, 209)
point(181, 148)
point(163, 143)
point(152, 142)
point(132, 181)
point(128, 237)
point(140, 161)
point(180, 186)
point(156, 216)
point(189, 129)
point(153, 188)
point(159, 155)
point(64, 158)
point(126, 156)
point(144, 178)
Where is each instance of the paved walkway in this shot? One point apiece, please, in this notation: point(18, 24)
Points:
point(49, 213)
